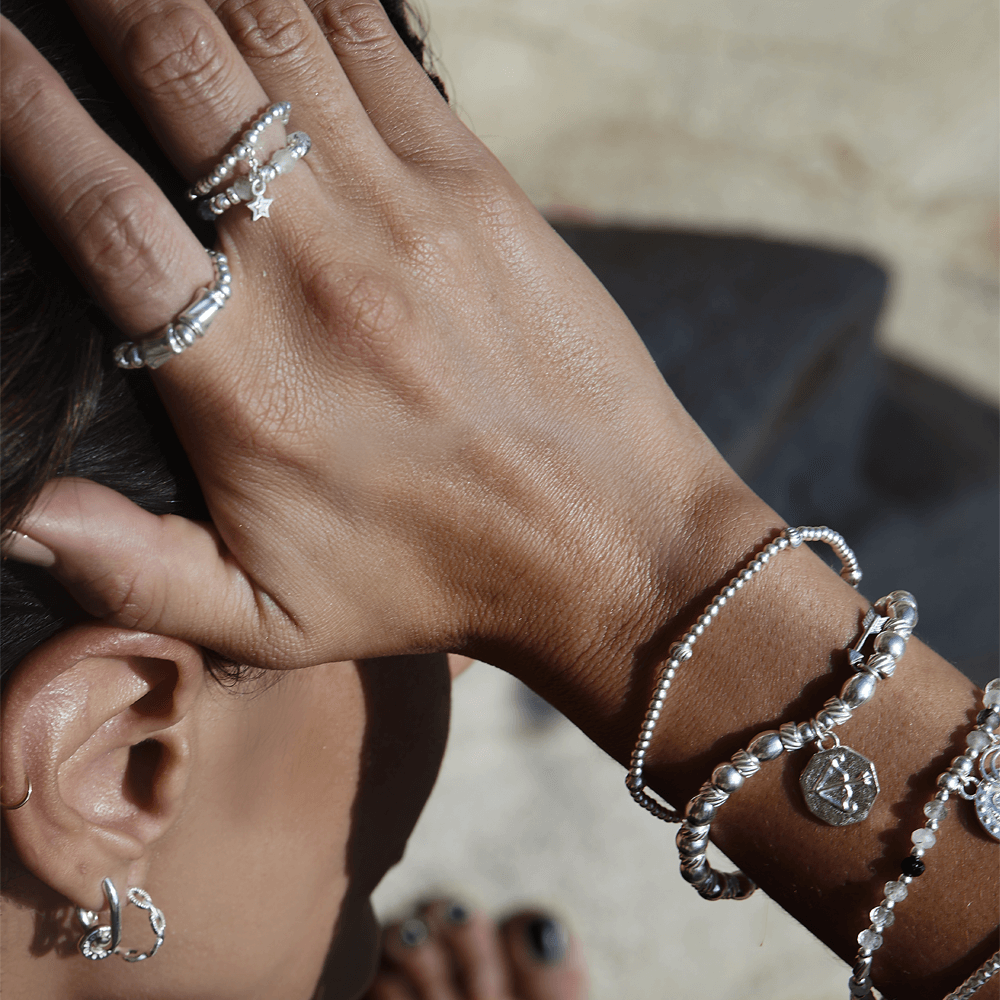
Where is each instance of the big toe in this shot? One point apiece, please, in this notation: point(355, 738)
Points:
point(544, 959)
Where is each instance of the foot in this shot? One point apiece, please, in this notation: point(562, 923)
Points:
point(449, 952)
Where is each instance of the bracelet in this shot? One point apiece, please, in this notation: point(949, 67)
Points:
point(681, 650)
point(979, 978)
point(839, 784)
point(957, 780)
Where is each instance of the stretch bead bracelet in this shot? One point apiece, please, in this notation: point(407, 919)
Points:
point(839, 784)
point(957, 780)
point(681, 650)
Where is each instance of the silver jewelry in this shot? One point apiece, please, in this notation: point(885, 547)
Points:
point(840, 784)
point(957, 780)
point(22, 803)
point(251, 187)
point(188, 326)
point(681, 650)
point(102, 940)
point(979, 978)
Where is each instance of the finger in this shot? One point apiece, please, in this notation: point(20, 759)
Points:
point(160, 574)
point(126, 242)
point(284, 48)
point(178, 64)
point(402, 102)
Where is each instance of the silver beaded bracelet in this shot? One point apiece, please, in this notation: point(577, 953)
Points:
point(983, 742)
point(839, 784)
point(680, 651)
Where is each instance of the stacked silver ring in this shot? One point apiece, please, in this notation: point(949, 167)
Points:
point(251, 187)
point(188, 326)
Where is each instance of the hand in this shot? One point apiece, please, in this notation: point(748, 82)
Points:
point(421, 423)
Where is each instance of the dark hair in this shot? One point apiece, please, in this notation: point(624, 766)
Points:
point(66, 411)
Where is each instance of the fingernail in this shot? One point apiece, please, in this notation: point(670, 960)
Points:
point(412, 932)
point(27, 550)
point(456, 915)
point(547, 939)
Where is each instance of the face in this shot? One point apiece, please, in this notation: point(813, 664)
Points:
point(301, 791)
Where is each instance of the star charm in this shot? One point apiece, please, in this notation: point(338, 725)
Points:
point(261, 207)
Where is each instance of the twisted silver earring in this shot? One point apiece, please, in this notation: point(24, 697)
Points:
point(102, 940)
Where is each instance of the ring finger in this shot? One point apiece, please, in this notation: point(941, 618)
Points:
point(181, 67)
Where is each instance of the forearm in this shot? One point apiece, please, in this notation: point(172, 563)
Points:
point(775, 654)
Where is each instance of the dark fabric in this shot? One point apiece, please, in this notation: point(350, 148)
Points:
point(770, 347)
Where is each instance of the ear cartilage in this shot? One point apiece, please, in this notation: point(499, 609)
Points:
point(103, 940)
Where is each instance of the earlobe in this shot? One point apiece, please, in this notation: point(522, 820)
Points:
point(99, 720)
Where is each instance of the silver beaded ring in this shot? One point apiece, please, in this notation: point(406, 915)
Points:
point(251, 187)
point(681, 650)
point(839, 784)
point(983, 742)
point(188, 326)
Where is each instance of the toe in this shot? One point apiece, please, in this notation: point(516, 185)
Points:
point(544, 958)
point(475, 946)
point(420, 959)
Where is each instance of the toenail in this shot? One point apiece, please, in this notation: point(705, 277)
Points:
point(547, 939)
point(413, 932)
point(456, 915)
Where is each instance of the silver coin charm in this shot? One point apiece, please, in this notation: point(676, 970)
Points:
point(987, 797)
point(840, 786)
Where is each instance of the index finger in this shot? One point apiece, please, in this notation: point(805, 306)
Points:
point(126, 242)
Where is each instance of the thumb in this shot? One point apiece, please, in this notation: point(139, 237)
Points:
point(158, 573)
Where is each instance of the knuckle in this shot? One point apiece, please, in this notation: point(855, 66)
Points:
point(23, 95)
point(372, 311)
point(174, 52)
point(115, 231)
point(355, 24)
point(265, 30)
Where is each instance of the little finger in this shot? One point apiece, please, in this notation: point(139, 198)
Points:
point(401, 100)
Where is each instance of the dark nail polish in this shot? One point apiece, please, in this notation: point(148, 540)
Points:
point(456, 915)
point(547, 940)
point(412, 932)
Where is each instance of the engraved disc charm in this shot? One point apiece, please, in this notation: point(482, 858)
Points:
point(839, 786)
point(987, 797)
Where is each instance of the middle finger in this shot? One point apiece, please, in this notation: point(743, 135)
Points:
point(181, 67)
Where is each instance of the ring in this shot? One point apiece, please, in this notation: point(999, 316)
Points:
point(22, 803)
point(253, 185)
point(188, 326)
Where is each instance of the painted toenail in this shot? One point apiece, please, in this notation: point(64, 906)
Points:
point(547, 939)
point(413, 932)
point(456, 914)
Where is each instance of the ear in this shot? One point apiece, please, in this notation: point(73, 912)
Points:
point(98, 718)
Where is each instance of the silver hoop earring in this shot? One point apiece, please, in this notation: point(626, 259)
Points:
point(102, 940)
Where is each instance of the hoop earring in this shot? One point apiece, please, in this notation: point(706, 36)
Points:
point(23, 802)
point(102, 940)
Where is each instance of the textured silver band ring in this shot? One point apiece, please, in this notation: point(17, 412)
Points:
point(188, 326)
point(251, 187)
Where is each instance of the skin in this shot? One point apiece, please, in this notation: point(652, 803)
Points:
point(417, 375)
point(242, 813)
